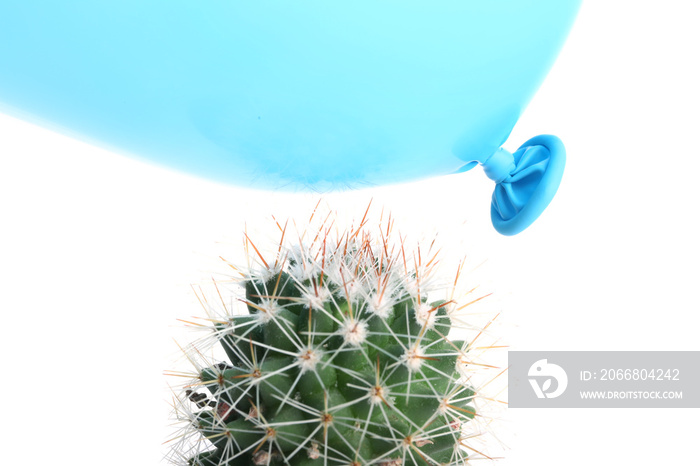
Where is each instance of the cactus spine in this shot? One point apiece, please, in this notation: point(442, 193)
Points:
point(340, 359)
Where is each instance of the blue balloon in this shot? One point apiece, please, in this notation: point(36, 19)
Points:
point(315, 94)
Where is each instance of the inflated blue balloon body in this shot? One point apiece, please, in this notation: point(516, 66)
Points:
point(285, 94)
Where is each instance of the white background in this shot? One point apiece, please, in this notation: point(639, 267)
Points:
point(97, 252)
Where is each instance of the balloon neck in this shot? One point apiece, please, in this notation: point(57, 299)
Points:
point(499, 166)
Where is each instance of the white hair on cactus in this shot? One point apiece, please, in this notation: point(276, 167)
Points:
point(425, 315)
point(444, 406)
point(354, 332)
point(309, 358)
point(301, 266)
point(353, 289)
point(314, 297)
point(411, 285)
point(266, 273)
point(298, 272)
point(413, 358)
point(269, 308)
point(380, 305)
point(378, 394)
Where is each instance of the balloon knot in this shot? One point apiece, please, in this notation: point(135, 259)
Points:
point(526, 181)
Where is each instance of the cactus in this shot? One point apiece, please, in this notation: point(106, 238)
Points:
point(338, 359)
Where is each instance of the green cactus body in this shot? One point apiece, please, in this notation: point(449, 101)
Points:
point(339, 361)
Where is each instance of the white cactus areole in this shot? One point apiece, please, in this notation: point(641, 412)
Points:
point(334, 357)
